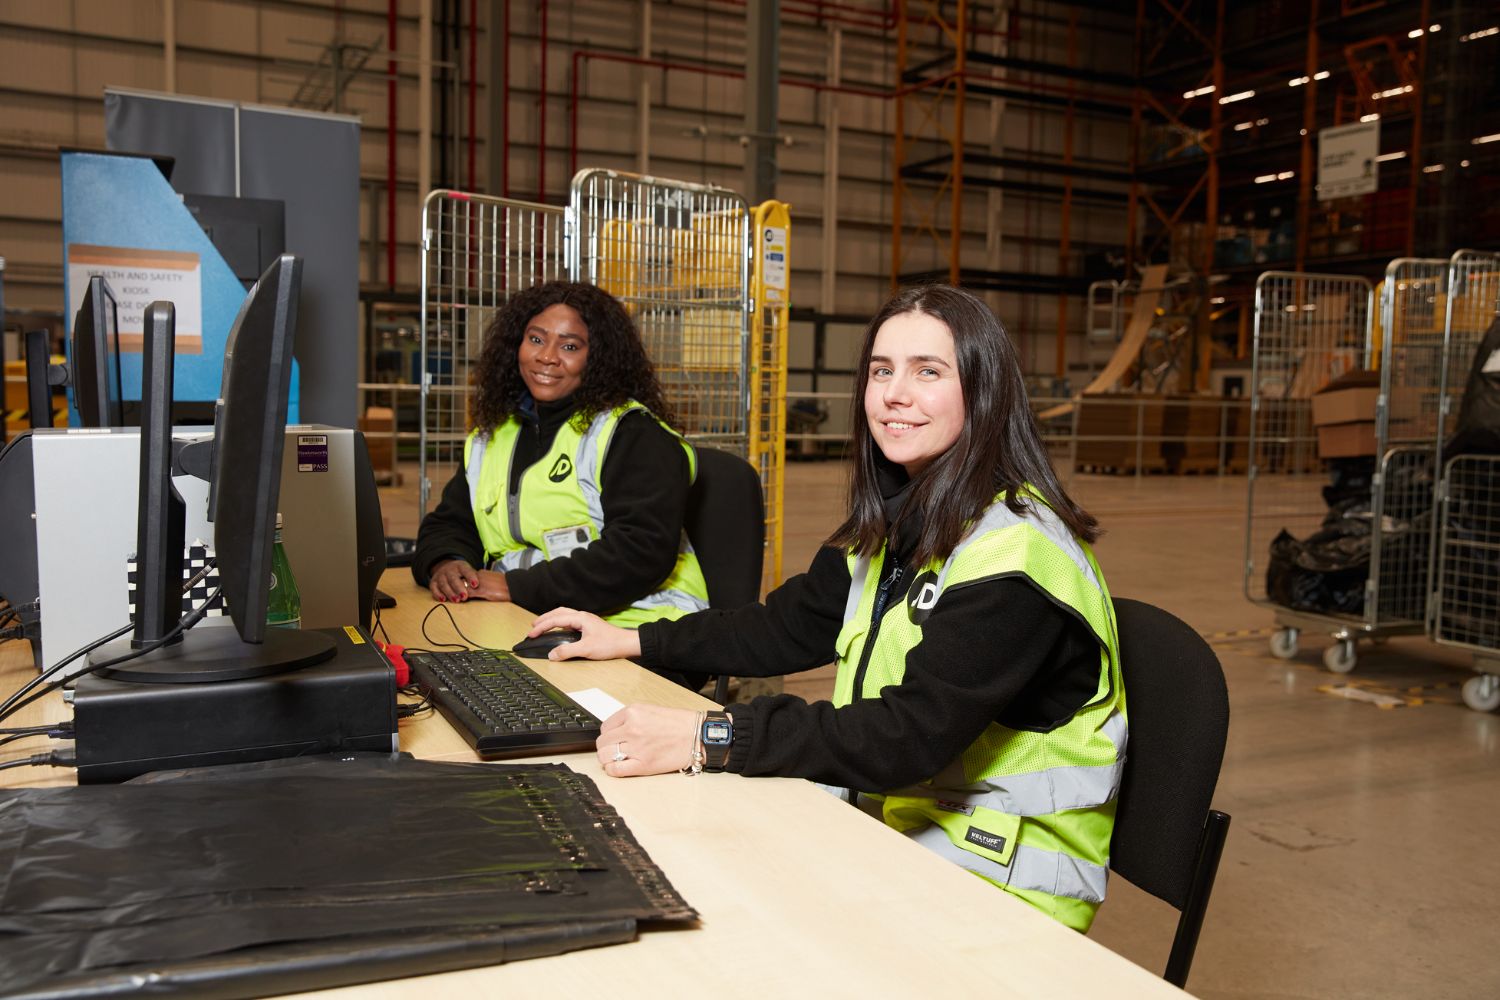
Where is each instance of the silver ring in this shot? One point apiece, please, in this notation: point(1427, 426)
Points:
point(619, 754)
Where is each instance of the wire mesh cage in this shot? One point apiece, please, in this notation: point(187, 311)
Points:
point(477, 252)
point(1465, 605)
point(1317, 549)
point(677, 255)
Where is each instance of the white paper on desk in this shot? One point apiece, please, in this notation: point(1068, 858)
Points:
point(596, 701)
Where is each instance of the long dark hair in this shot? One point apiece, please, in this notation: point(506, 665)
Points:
point(618, 369)
point(998, 450)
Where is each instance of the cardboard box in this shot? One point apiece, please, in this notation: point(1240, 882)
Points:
point(1352, 397)
point(1345, 406)
point(1346, 440)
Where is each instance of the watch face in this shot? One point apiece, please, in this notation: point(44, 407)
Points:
point(717, 732)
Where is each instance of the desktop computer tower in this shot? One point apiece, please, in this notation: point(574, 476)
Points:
point(126, 728)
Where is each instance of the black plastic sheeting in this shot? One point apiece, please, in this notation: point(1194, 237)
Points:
point(302, 874)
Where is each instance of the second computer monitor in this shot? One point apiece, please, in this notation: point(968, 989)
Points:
point(94, 358)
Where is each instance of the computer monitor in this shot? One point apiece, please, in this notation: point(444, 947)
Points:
point(249, 233)
point(94, 358)
point(245, 479)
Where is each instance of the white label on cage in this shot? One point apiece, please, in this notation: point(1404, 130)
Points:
point(773, 262)
point(1491, 364)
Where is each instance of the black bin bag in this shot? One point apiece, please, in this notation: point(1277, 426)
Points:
point(303, 874)
point(1478, 427)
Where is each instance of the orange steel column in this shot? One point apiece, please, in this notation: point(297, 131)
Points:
point(1203, 335)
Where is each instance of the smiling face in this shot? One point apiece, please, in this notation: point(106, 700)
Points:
point(913, 400)
point(554, 352)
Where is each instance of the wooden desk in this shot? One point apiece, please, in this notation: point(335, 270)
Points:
point(800, 894)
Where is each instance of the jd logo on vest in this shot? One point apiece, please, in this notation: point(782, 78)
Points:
point(924, 597)
point(561, 469)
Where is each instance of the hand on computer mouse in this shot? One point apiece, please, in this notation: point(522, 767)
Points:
point(600, 640)
point(541, 646)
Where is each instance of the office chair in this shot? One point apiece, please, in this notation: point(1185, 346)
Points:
point(1167, 840)
point(726, 523)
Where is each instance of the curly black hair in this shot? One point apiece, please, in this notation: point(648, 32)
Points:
point(618, 369)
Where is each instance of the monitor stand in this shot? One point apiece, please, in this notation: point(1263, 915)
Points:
point(216, 653)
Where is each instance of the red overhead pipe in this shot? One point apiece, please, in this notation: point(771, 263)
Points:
point(473, 80)
point(390, 147)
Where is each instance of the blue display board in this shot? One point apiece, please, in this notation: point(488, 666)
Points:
point(123, 220)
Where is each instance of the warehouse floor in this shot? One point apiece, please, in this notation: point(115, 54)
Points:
point(1360, 861)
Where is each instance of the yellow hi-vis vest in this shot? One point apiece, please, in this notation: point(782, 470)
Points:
point(558, 508)
point(1031, 812)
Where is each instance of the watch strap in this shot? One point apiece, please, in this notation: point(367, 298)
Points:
point(716, 749)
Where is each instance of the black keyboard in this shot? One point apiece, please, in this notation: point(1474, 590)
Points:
point(500, 705)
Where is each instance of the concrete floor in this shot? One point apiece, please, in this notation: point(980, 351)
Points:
point(1359, 862)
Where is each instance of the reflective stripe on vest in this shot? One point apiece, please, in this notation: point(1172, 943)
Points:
point(1012, 797)
point(1052, 872)
point(511, 545)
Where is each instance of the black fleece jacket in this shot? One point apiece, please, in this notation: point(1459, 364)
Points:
point(644, 494)
point(996, 650)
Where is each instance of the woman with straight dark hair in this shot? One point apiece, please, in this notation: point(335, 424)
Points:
point(978, 706)
point(574, 484)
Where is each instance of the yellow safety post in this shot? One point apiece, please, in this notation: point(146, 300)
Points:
point(770, 290)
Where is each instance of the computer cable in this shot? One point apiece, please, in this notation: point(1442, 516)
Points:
point(452, 621)
point(57, 758)
point(46, 727)
point(52, 731)
point(410, 710)
point(192, 618)
point(380, 625)
point(7, 707)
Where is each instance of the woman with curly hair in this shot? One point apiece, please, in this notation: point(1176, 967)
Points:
point(574, 484)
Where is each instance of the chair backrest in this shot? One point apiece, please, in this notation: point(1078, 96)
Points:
point(1167, 840)
point(726, 523)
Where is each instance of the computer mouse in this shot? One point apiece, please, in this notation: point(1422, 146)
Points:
point(539, 647)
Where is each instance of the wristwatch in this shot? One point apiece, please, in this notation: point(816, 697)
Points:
point(718, 737)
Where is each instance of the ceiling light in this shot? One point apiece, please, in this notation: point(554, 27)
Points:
point(1369, 118)
point(1237, 97)
point(1482, 33)
point(1321, 75)
point(1414, 33)
point(1385, 157)
point(1432, 168)
point(1265, 178)
point(1297, 81)
point(1481, 140)
point(1190, 94)
point(1286, 175)
point(1244, 125)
